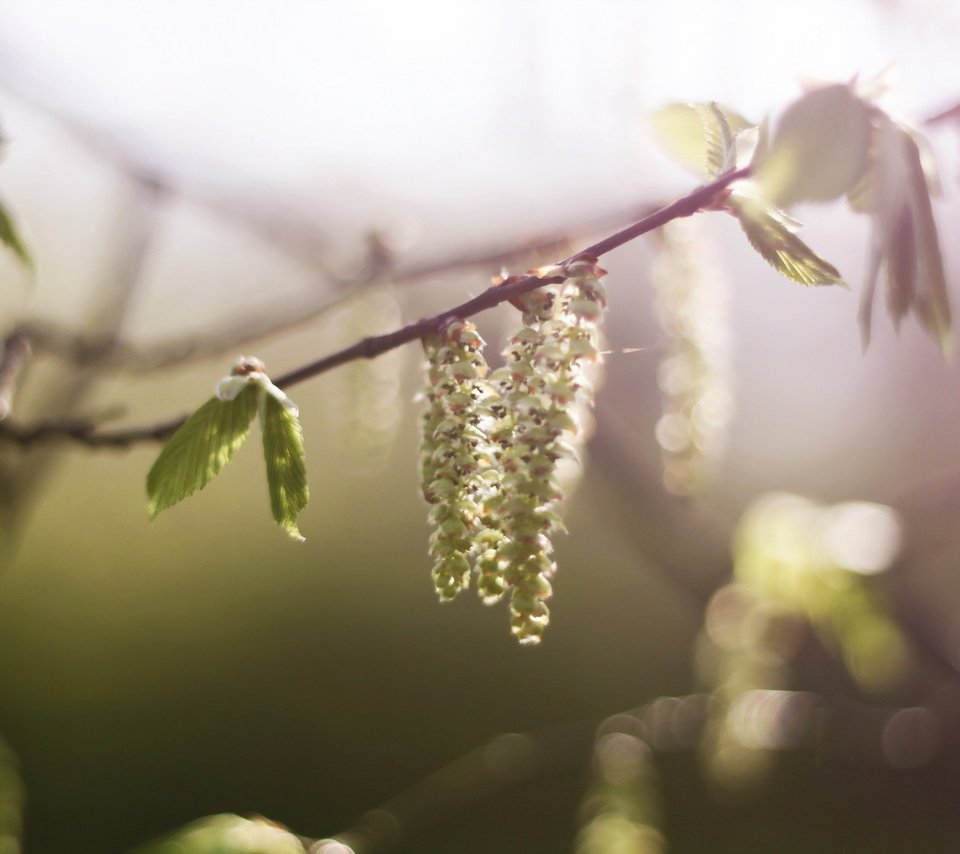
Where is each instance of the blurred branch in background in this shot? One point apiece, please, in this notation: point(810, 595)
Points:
point(621, 808)
point(331, 290)
point(64, 392)
point(511, 759)
point(85, 350)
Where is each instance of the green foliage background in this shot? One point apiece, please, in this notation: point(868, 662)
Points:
point(212, 665)
point(204, 663)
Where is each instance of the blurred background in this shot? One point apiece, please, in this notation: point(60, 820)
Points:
point(202, 180)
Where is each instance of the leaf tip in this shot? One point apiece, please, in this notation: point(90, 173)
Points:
point(294, 532)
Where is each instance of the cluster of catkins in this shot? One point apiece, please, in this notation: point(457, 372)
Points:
point(492, 442)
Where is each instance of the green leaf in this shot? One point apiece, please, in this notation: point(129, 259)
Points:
point(820, 148)
point(769, 232)
point(700, 137)
point(286, 464)
point(200, 448)
point(724, 150)
point(10, 237)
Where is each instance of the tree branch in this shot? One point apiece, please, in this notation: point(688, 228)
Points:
point(369, 348)
point(270, 319)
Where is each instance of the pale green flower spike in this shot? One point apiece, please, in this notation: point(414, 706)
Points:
point(542, 377)
point(491, 446)
point(456, 462)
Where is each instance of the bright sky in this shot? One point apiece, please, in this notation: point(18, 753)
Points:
point(428, 99)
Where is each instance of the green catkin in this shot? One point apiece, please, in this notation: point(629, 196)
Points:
point(456, 470)
point(491, 445)
point(541, 378)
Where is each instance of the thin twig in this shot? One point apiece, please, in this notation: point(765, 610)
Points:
point(63, 395)
point(369, 348)
point(270, 319)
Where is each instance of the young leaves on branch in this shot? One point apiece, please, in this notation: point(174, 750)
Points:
point(209, 438)
point(833, 142)
point(837, 142)
point(710, 140)
point(701, 137)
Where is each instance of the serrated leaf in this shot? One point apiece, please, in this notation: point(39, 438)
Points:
point(286, 464)
point(10, 237)
point(725, 154)
point(198, 451)
point(700, 137)
point(820, 149)
point(769, 233)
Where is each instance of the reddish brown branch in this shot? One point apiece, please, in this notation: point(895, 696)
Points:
point(369, 348)
point(234, 333)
